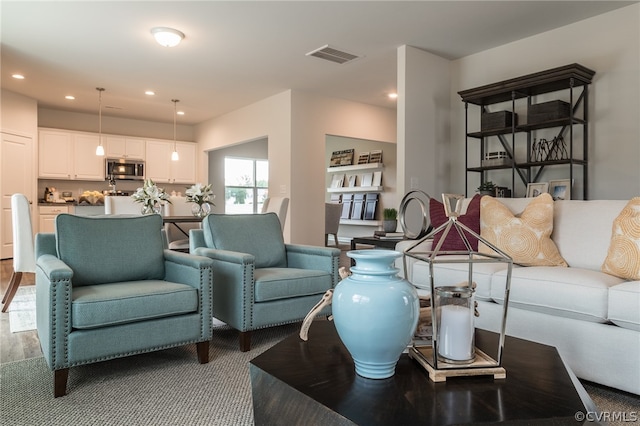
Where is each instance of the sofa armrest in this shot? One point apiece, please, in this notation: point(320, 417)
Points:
point(233, 289)
point(416, 246)
point(311, 257)
point(53, 308)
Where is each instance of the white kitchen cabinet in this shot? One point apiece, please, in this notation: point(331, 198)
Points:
point(160, 167)
point(54, 155)
point(86, 164)
point(124, 147)
point(69, 155)
point(47, 215)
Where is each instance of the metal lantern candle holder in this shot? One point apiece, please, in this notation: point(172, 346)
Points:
point(453, 308)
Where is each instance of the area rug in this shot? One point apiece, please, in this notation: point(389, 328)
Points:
point(162, 388)
point(22, 310)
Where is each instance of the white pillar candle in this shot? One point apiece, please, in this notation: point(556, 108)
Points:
point(456, 333)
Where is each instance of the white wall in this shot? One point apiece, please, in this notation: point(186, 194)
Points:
point(296, 124)
point(609, 44)
point(423, 121)
point(83, 122)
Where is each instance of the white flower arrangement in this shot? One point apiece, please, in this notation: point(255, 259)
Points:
point(200, 194)
point(150, 195)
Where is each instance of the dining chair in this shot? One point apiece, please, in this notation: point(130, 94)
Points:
point(23, 250)
point(277, 205)
point(121, 205)
point(178, 233)
point(332, 213)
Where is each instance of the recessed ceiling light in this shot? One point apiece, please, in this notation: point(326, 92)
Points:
point(393, 95)
point(69, 97)
point(18, 76)
point(167, 37)
point(149, 92)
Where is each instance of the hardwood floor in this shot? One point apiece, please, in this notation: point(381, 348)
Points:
point(21, 345)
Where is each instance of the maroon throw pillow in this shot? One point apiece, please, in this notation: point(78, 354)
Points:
point(471, 219)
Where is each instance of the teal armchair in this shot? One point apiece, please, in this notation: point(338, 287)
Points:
point(107, 288)
point(259, 281)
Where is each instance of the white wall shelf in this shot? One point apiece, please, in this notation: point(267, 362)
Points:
point(356, 167)
point(350, 189)
point(360, 222)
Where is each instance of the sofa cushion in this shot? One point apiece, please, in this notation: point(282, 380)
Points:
point(471, 219)
point(450, 274)
point(265, 241)
point(624, 305)
point(623, 257)
point(110, 249)
point(104, 305)
point(285, 283)
point(525, 237)
point(567, 292)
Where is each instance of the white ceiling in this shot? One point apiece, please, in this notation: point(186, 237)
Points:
point(238, 52)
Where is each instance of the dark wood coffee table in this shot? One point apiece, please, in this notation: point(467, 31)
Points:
point(314, 383)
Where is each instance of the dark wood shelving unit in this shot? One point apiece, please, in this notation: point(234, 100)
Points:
point(573, 78)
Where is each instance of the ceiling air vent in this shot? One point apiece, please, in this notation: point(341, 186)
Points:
point(332, 54)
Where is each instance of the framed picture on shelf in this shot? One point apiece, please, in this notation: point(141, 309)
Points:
point(537, 188)
point(341, 158)
point(560, 189)
point(351, 180)
point(363, 158)
point(377, 179)
point(366, 179)
point(337, 181)
point(375, 156)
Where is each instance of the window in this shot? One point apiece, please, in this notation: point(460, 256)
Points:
point(246, 183)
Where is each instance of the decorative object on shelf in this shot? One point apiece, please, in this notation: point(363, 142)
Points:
point(548, 111)
point(503, 192)
point(202, 198)
point(375, 312)
point(100, 147)
point(452, 352)
point(498, 158)
point(341, 158)
point(363, 158)
point(370, 204)
point(377, 178)
point(497, 120)
point(390, 219)
point(544, 150)
point(375, 156)
point(366, 179)
point(487, 188)
point(337, 180)
point(535, 189)
point(151, 197)
point(560, 189)
point(423, 199)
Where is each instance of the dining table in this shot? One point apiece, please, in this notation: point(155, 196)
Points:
point(177, 220)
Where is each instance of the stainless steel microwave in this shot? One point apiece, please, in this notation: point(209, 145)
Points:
point(116, 168)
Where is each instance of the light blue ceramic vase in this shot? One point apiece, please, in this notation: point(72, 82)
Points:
point(375, 312)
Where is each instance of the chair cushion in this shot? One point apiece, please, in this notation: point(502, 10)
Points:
point(104, 305)
point(110, 249)
point(285, 283)
point(257, 234)
point(565, 292)
point(624, 300)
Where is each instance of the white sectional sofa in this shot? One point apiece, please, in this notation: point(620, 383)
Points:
point(591, 317)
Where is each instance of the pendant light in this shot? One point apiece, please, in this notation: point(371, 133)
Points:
point(100, 148)
point(174, 154)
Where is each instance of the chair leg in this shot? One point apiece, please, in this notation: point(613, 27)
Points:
point(203, 352)
point(335, 238)
point(60, 382)
point(245, 341)
point(14, 283)
point(326, 240)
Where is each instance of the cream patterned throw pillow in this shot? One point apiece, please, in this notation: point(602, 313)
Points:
point(623, 257)
point(525, 237)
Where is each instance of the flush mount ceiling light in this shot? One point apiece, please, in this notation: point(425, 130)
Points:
point(167, 37)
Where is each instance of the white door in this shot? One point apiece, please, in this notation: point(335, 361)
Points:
point(16, 155)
